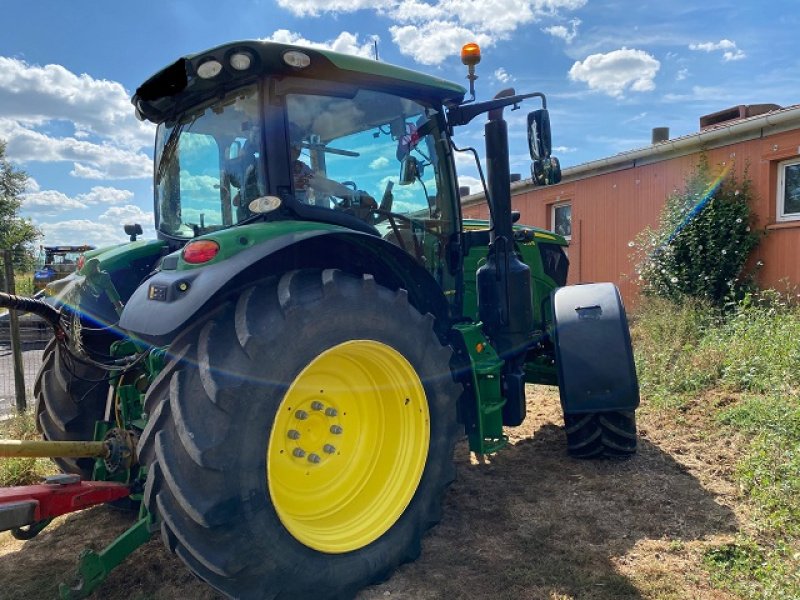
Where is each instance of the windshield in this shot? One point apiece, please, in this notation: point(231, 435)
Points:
point(208, 166)
point(375, 156)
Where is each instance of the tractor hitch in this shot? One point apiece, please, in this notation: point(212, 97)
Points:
point(94, 567)
point(26, 510)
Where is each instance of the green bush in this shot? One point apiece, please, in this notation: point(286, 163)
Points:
point(700, 252)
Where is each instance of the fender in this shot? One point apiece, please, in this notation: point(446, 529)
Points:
point(171, 299)
point(596, 370)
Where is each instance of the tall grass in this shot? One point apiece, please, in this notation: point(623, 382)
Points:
point(22, 471)
point(752, 351)
point(687, 348)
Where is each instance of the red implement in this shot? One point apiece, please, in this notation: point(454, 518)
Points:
point(59, 495)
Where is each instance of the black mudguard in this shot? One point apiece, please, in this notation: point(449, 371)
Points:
point(596, 372)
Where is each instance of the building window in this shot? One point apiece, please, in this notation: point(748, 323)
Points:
point(561, 219)
point(789, 190)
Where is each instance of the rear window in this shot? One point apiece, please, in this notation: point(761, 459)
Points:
point(555, 261)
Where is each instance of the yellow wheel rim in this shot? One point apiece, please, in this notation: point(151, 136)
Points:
point(348, 446)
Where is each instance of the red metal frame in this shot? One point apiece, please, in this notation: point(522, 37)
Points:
point(53, 499)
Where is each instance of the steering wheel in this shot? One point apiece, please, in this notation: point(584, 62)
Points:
point(392, 217)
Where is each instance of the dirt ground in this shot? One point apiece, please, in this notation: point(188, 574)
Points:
point(528, 523)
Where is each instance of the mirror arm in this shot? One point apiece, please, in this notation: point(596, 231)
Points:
point(461, 115)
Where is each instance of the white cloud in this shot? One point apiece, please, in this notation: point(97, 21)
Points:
point(31, 185)
point(473, 183)
point(615, 72)
point(431, 32)
point(36, 94)
point(682, 74)
point(313, 8)
point(731, 52)
point(564, 149)
point(433, 42)
point(502, 76)
point(104, 231)
point(702, 94)
point(52, 201)
point(126, 214)
point(711, 46)
point(379, 163)
point(90, 160)
point(345, 42)
point(733, 55)
point(561, 31)
point(102, 137)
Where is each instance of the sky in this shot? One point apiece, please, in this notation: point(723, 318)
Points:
point(611, 70)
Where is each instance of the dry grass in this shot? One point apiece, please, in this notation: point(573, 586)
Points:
point(527, 523)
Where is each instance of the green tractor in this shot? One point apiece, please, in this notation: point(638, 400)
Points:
point(293, 360)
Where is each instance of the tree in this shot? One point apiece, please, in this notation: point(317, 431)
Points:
point(16, 233)
point(703, 240)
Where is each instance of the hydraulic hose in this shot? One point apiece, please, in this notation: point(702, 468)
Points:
point(31, 305)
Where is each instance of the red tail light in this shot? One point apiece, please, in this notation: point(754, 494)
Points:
point(201, 251)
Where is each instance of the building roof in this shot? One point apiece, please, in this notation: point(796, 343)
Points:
point(723, 134)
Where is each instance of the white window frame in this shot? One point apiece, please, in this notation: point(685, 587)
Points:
point(781, 215)
point(553, 208)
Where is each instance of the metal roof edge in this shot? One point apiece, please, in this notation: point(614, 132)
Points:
point(714, 137)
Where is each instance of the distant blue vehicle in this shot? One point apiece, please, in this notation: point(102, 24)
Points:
point(56, 262)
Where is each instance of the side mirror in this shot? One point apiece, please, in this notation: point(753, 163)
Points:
point(546, 171)
point(539, 139)
point(410, 170)
point(133, 229)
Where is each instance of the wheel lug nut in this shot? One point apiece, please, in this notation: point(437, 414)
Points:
point(317, 405)
point(301, 414)
point(293, 434)
point(336, 430)
point(314, 458)
point(331, 412)
point(329, 449)
point(299, 452)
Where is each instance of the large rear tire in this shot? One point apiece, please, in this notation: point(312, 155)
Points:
point(70, 397)
point(300, 439)
point(601, 435)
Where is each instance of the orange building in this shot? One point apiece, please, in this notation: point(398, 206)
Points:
point(602, 205)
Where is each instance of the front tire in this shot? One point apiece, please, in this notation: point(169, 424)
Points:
point(601, 435)
point(301, 439)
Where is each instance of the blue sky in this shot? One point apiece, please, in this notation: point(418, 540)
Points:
point(611, 70)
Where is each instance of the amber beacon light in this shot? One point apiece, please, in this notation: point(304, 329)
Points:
point(471, 55)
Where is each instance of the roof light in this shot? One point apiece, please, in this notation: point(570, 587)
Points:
point(470, 54)
point(241, 61)
point(298, 60)
point(209, 69)
point(200, 251)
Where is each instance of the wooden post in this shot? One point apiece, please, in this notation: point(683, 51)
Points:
point(13, 329)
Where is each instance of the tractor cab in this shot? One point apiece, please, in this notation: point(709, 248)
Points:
point(297, 137)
